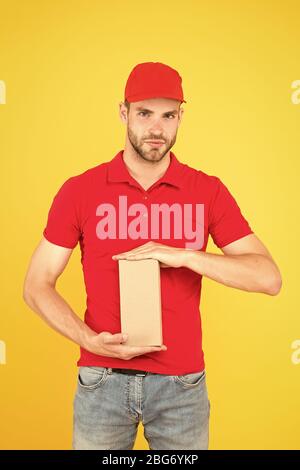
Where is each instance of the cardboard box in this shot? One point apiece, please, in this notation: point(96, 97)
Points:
point(140, 301)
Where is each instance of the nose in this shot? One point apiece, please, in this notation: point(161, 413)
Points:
point(156, 126)
point(156, 132)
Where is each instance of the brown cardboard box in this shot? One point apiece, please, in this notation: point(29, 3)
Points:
point(140, 302)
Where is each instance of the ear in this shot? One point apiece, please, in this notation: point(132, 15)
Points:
point(181, 111)
point(123, 112)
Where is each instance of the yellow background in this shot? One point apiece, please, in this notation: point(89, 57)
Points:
point(65, 64)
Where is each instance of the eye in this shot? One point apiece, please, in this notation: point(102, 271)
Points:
point(168, 115)
point(142, 112)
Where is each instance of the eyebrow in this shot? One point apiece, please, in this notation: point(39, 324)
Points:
point(139, 108)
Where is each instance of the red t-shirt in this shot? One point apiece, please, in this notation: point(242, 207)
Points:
point(108, 212)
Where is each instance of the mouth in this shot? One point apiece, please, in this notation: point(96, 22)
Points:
point(155, 143)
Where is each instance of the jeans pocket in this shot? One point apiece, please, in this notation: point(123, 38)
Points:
point(190, 380)
point(90, 378)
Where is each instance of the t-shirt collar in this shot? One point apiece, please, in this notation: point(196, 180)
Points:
point(118, 172)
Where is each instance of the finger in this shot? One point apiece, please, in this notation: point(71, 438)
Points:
point(141, 248)
point(114, 339)
point(134, 250)
point(138, 249)
point(135, 350)
point(142, 251)
point(142, 349)
point(146, 255)
point(128, 253)
point(151, 349)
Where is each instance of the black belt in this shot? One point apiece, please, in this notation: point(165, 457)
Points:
point(131, 371)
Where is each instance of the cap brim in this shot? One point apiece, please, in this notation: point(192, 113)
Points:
point(147, 96)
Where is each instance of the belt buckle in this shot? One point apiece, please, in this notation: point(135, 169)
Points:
point(139, 373)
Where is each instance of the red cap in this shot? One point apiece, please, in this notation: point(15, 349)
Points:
point(153, 80)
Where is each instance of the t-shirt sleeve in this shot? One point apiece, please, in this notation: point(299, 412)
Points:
point(226, 221)
point(63, 227)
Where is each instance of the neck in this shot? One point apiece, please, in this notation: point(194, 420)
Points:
point(145, 170)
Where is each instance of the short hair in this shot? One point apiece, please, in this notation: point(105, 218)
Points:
point(127, 104)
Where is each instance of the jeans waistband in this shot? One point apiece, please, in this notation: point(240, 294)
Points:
point(131, 371)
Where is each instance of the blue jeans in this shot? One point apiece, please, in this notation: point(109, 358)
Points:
point(109, 405)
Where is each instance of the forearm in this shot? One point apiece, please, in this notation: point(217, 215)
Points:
point(55, 311)
point(249, 272)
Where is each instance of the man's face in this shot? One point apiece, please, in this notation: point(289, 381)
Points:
point(152, 126)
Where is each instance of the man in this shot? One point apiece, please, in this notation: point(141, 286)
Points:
point(110, 211)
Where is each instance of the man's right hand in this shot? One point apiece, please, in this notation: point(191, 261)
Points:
point(112, 345)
